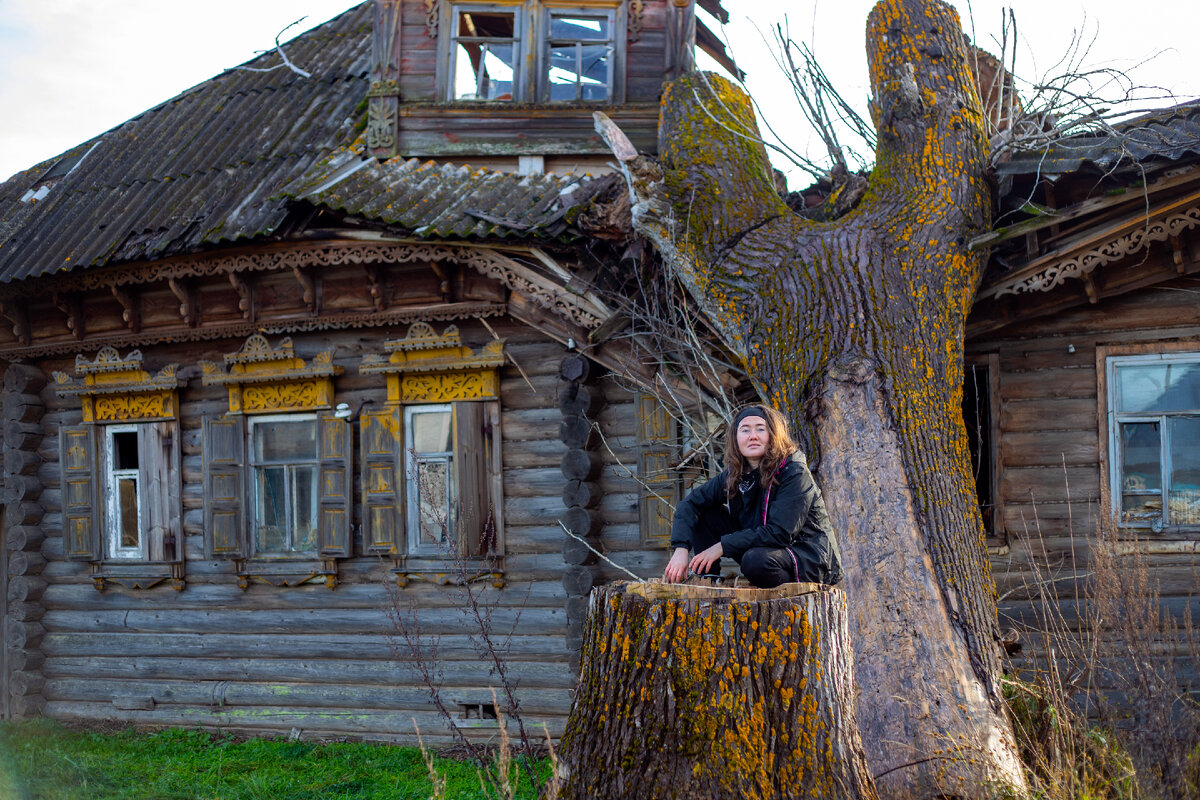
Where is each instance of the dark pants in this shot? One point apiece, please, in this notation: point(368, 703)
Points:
point(764, 567)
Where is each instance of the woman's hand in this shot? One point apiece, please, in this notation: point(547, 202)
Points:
point(677, 567)
point(703, 562)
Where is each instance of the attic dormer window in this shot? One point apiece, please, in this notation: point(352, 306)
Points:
point(579, 57)
point(485, 53)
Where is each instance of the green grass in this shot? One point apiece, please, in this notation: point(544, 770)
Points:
point(43, 760)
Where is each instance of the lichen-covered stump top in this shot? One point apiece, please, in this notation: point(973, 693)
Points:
point(693, 691)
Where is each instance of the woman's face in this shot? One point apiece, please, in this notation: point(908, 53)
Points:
point(752, 439)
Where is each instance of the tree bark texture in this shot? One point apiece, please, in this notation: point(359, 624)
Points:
point(880, 295)
point(695, 691)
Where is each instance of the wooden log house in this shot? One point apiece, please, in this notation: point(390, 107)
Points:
point(291, 361)
point(1083, 381)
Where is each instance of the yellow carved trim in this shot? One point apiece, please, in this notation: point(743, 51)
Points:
point(425, 367)
point(262, 379)
point(115, 389)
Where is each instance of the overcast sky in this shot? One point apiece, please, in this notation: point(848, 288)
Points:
point(71, 69)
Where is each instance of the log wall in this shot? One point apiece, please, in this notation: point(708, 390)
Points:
point(1051, 470)
point(329, 662)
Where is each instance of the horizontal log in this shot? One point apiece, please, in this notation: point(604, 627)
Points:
point(23, 635)
point(1062, 383)
point(585, 494)
point(577, 432)
point(21, 462)
point(536, 392)
point(23, 379)
point(1050, 448)
point(24, 537)
point(1050, 484)
point(30, 660)
point(394, 672)
point(578, 553)
point(26, 683)
point(23, 513)
point(25, 610)
point(312, 724)
point(531, 424)
point(22, 435)
point(21, 487)
point(540, 453)
point(582, 522)
point(452, 647)
point(25, 563)
point(28, 706)
point(580, 399)
point(579, 580)
point(24, 588)
point(235, 694)
point(581, 465)
point(23, 407)
point(1048, 415)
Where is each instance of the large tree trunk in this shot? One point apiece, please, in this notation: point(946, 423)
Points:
point(854, 329)
point(695, 691)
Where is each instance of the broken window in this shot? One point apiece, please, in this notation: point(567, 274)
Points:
point(485, 54)
point(579, 57)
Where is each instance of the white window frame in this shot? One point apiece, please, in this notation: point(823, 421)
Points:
point(253, 465)
point(1116, 456)
point(412, 499)
point(546, 42)
point(519, 83)
point(112, 501)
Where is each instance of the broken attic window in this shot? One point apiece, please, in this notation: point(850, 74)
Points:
point(57, 171)
point(485, 53)
point(579, 57)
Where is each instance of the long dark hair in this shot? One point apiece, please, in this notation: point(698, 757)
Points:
point(779, 447)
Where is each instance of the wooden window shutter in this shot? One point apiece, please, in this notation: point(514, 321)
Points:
point(333, 526)
point(224, 486)
point(159, 459)
point(472, 451)
point(382, 480)
point(81, 526)
point(658, 457)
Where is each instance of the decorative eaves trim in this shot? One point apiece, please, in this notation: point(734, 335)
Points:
point(1048, 276)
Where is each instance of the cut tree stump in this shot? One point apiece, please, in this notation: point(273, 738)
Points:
point(698, 691)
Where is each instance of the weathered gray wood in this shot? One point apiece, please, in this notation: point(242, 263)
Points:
point(576, 368)
point(23, 513)
point(578, 580)
point(23, 379)
point(23, 563)
point(581, 465)
point(24, 537)
point(25, 611)
point(21, 487)
point(26, 683)
point(23, 407)
point(577, 432)
point(23, 635)
point(585, 494)
point(30, 660)
point(580, 399)
point(27, 706)
point(22, 435)
point(21, 462)
point(576, 552)
point(23, 588)
point(582, 522)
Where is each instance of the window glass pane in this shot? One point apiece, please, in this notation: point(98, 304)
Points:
point(563, 73)
point(304, 511)
point(125, 450)
point(1184, 493)
point(1141, 470)
point(580, 28)
point(1155, 388)
point(285, 440)
point(432, 432)
point(271, 509)
point(484, 56)
point(433, 486)
point(491, 25)
point(127, 497)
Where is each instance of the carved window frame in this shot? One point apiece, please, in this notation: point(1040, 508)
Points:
point(118, 396)
point(422, 369)
point(266, 383)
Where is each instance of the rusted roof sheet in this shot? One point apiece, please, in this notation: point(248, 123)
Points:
point(1171, 135)
point(202, 168)
point(441, 200)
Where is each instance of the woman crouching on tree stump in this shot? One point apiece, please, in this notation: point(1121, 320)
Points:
point(763, 510)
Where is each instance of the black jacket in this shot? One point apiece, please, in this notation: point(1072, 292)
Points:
point(795, 517)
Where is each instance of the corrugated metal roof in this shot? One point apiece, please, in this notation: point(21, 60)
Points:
point(441, 200)
point(202, 168)
point(1171, 135)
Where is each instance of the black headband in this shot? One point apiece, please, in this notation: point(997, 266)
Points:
point(748, 411)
